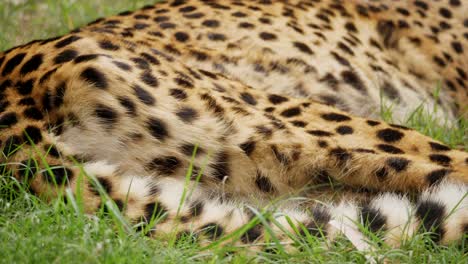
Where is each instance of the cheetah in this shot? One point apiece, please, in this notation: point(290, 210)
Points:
point(195, 115)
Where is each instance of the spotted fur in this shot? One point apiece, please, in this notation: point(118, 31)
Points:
point(259, 100)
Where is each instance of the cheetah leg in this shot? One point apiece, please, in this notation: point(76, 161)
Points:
point(354, 151)
point(178, 205)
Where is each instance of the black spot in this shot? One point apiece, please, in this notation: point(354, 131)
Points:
point(184, 82)
point(144, 96)
point(8, 120)
point(157, 128)
point(166, 165)
point(436, 176)
point(344, 130)
point(381, 174)
point(248, 98)
point(389, 135)
point(181, 36)
point(386, 29)
point(5, 104)
point(439, 61)
point(421, 4)
point(390, 149)
point(277, 99)
point(25, 88)
point(216, 36)
point(294, 111)
point(403, 11)
point(246, 25)
point(341, 60)
point(431, 214)
point(345, 48)
point(354, 80)
point(128, 104)
point(351, 27)
point(178, 94)
point(33, 113)
point(196, 209)
point(319, 133)
point(24, 101)
point(60, 93)
point(11, 64)
point(342, 155)
point(187, 114)
point(372, 122)
point(252, 234)
point(194, 15)
point(372, 218)
point(94, 77)
point(363, 150)
point(11, 145)
point(457, 47)
point(65, 56)
point(155, 210)
point(57, 174)
point(67, 41)
point(27, 169)
point(280, 156)
point(209, 74)
point(239, 14)
point(317, 226)
point(122, 65)
point(167, 25)
point(47, 100)
point(148, 78)
point(4, 85)
point(322, 143)
point(200, 56)
point(390, 91)
point(440, 159)
point(335, 117)
point(303, 47)
point(212, 230)
point(211, 103)
point(107, 45)
point(160, 19)
point(105, 184)
point(188, 149)
point(438, 147)
point(397, 163)
point(298, 123)
point(248, 147)
point(211, 23)
point(140, 16)
point(267, 36)
point(107, 115)
point(141, 63)
point(221, 166)
point(455, 2)
point(85, 58)
point(445, 12)
point(151, 59)
point(32, 64)
point(263, 183)
point(52, 151)
point(140, 26)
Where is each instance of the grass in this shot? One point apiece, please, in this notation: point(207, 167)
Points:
point(58, 232)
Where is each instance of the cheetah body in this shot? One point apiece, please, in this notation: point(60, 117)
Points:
point(257, 100)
